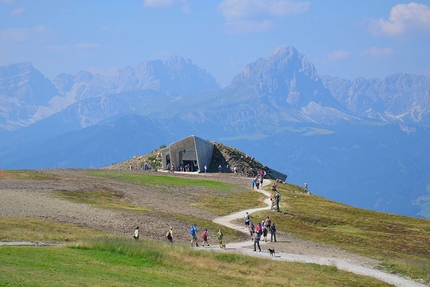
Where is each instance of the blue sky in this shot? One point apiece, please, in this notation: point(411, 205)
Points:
point(344, 38)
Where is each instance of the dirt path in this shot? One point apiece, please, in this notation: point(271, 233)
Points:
point(33, 199)
point(333, 257)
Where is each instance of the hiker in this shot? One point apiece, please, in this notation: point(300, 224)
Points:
point(169, 235)
point(252, 230)
point(268, 223)
point(265, 233)
point(257, 183)
point(193, 233)
point(257, 238)
point(273, 232)
point(253, 183)
point(271, 196)
point(136, 233)
point(219, 168)
point(206, 168)
point(277, 198)
point(247, 219)
point(273, 187)
point(306, 185)
point(220, 235)
point(205, 238)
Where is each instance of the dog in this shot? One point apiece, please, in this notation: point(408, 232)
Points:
point(223, 246)
point(272, 251)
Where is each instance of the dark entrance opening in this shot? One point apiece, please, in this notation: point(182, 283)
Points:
point(189, 163)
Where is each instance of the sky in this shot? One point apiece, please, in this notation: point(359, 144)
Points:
point(343, 38)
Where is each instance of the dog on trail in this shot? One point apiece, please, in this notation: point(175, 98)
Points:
point(223, 246)
point(272, 251)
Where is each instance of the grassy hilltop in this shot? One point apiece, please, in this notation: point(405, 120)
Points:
point(88, 256)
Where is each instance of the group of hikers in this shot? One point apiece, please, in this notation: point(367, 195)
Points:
point(257, 232)
point(260, 230)
point(204, 237)
point(193, 233)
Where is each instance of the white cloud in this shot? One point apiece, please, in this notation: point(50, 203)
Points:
point(403, 18)
point(251, 9)
point(17, 12)
point(377, 52)
point(82, 45)
point(255, 15)
point(185, 7)
point(337, 55)
point(21, 34)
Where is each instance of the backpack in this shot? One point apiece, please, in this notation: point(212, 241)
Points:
point(192, 231)
point(204, 235)
point(168, 233)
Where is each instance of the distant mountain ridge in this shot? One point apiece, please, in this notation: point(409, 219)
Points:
point(26, 96)
point(362, 142)
point(399, 97)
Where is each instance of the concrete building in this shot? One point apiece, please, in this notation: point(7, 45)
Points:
point(191, 151)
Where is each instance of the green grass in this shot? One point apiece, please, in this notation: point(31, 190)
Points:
point(36, 230)
point(166, 180)
point(26, 175)
point(401, 243)
point(107, 199)
point(122, 262)
point(223, 205)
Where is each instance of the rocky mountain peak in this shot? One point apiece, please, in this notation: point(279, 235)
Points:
point(15, 69)
point(285, 76)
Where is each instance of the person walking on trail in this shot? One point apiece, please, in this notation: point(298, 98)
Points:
point(169, 235)
point(277, 198)
point(136, 233)
point(193, 233)
point(252, 230)
point(257, 238)
point(220, 235)
point(265, 233)
point(268, 222)
point(259, 228)
point(257, 183)
point(273, 232)
point(247, 220)
point(205, 238)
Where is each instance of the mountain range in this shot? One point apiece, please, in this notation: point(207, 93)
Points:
point(364, 142)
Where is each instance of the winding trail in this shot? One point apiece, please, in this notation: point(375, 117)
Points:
point(342, 264)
